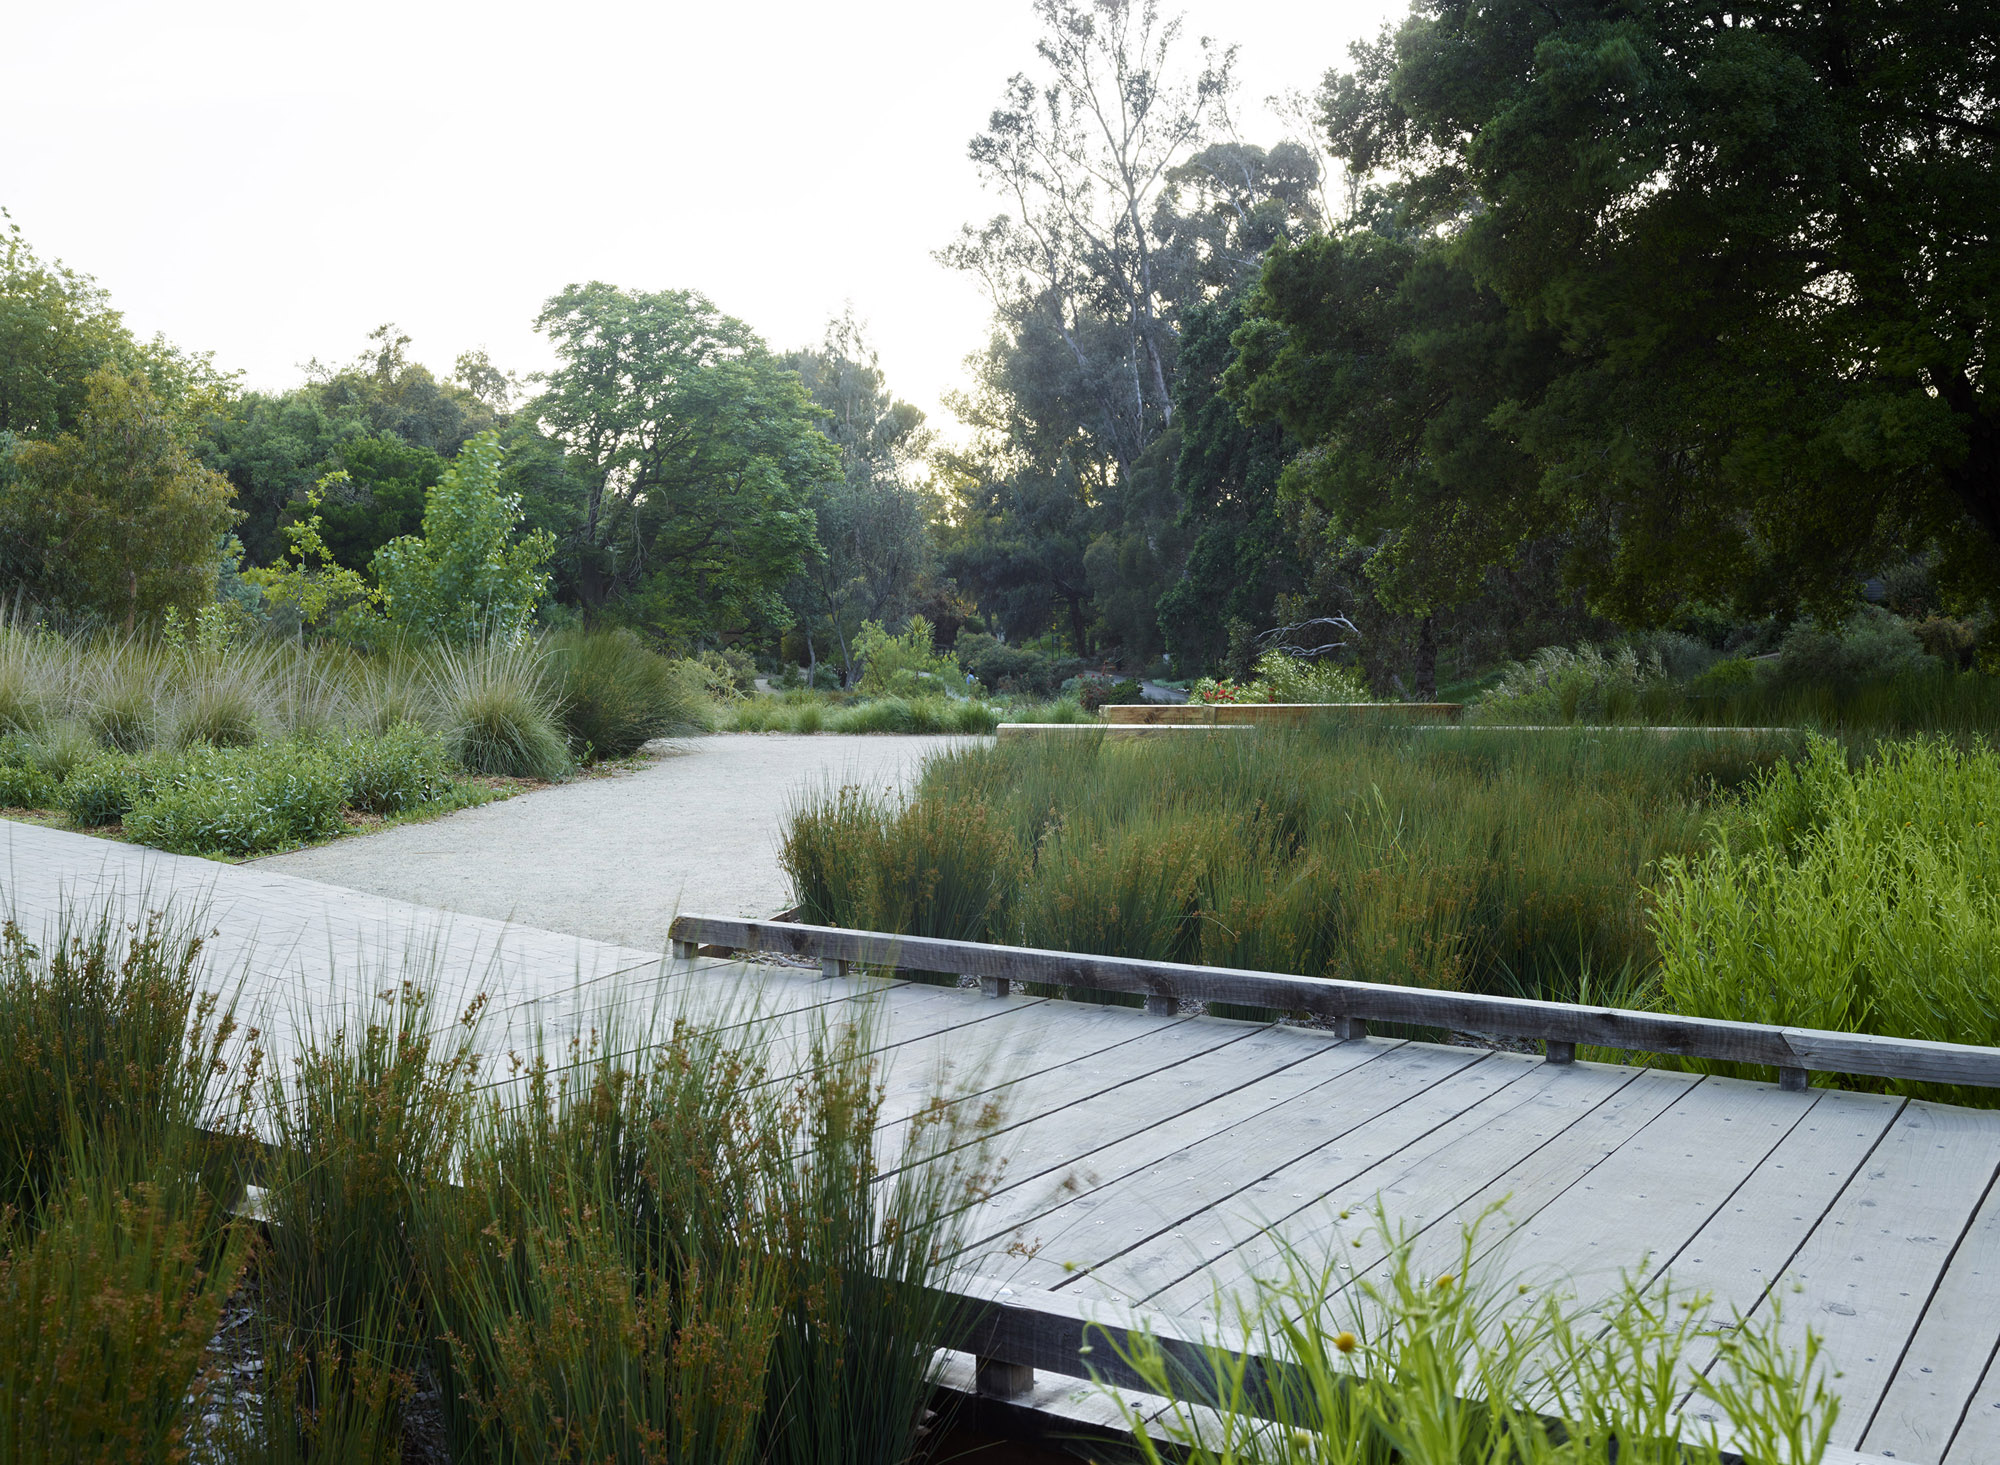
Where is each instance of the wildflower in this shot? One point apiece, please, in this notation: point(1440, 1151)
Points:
point(1345, 1342)
point(1444, 1282)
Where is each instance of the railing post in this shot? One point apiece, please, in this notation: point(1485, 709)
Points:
point(1162, 1004)
point(685, 950)
point(1350, 1027)
point(993, 986)
point(997, 1380)
point(1792, 1080)
point(1561, 1052)
point(833, 966)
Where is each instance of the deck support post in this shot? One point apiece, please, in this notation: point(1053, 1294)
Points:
point(993, 986)
point(685, 950)
point(1161, 1004)
point(1792, 1080)
point(1561, 1052)
point(996, 1380)
point(833, 966)
point(1350, 1027)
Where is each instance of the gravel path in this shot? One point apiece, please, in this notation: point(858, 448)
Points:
point(615, 858)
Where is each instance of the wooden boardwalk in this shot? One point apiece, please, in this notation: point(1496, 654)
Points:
point(1155, 1159)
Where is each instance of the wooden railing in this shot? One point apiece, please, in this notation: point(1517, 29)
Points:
point(1794, 1052)
point(1013, 1335)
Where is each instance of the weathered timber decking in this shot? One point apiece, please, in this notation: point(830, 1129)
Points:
point(1155, 1158)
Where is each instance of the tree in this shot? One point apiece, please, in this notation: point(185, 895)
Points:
point(873, 520)
point(469, 575)
point(1132, 204)
point(1242, 555)
point(1763, 239)
point(696, 453)
point(57, 327)
point(1083, 158)
point(116, 520)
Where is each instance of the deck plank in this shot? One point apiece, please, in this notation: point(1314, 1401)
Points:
point(1512, 1163)
point(1869, 1268)
point(1377, 1111)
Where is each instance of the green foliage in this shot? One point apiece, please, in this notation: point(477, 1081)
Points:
point(1630, 205)
point(396, 771)
point(906, 665)
point(104, 790)
point(240, 801)
point(308, 579)
point(1861, 900)
point(876, 715)
point(1871, 645)
point(687, 443)
point(468, 576)
point(377, 494)
point(1013, 669)
point(1559, 685)
point(1477, 860)
point(617, 695)
point(23, 786)
point(1418, 1355)
point(497, 704)
point(115, 521)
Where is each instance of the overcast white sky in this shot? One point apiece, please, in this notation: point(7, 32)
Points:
point(271, 181)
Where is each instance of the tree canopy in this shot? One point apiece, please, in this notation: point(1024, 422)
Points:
point(1741, 274)
point(696, 453)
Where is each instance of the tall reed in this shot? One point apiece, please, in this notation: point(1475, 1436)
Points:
point(1486, 860)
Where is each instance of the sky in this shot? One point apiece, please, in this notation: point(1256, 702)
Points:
point(273, 181)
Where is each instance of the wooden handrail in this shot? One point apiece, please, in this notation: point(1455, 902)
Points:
point(1352, 1005)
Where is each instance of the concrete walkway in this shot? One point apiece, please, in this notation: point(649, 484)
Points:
point(613, 859)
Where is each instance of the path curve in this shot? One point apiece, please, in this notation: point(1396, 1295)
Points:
point(613, 859)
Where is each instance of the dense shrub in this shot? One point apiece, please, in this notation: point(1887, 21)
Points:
point(1013, 669)
point(25, 787)
point(617, 695)
point(241, 801)
point(1561, 685)
point(1870, 646)
point(104, 790)
point(905, 666)
point(396, 771)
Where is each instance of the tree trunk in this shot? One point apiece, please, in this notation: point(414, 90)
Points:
point(1427, 660)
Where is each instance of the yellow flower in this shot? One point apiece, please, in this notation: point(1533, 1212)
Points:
point(1345, 1342)
point(1444, 1282)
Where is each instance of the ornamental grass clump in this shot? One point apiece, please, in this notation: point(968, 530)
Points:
point(617, 694)
point(367, 1118)
point(497, 703)
point(117, 1167)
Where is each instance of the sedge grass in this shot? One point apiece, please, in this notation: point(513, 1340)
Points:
point(1478, 860)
